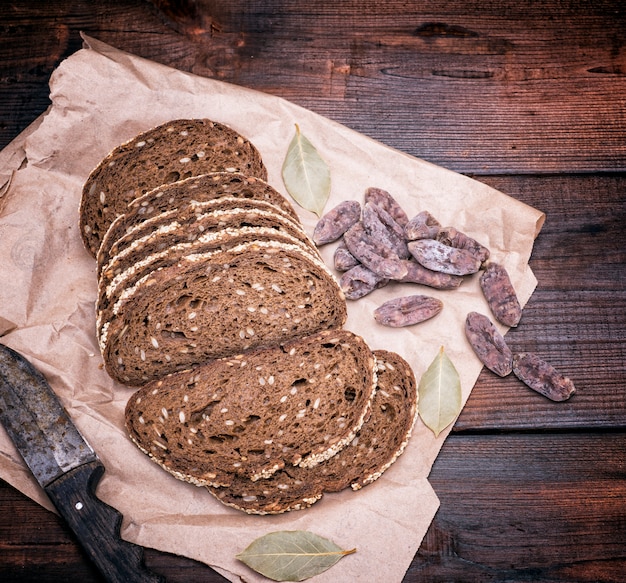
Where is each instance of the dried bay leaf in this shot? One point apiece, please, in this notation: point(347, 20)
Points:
point(291, 555)
point(439, 393)
point(306, 175)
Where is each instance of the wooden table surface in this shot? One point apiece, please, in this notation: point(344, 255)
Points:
point(527, 97)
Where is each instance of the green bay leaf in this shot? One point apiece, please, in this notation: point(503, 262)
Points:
point(306, 175)
point(439, 393)
point(291, 555)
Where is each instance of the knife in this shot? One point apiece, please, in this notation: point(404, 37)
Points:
point(66, 467)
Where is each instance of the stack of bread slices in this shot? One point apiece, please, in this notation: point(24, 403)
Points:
point(215, 302)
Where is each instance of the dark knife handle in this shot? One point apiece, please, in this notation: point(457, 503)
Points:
point(97, 526)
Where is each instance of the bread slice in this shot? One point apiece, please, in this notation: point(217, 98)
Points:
point(170, 197)
point(193, 228)
point(173, 151)
point(253, 414)
point(116, 280)
point(192, 219)
point(214, 304)
point(380, 441)
point(114, 293)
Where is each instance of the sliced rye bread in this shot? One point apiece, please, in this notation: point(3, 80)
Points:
point(256, 413)
point(169, 197)
point(115, 282)
point(214, 304)
point(379, 442)
point(188, 230)
point(219, 213)
point(170, 152)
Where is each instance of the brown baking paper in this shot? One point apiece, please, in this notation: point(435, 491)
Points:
point(101, 97)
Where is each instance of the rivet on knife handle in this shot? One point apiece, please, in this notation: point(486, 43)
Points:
point(97, 526)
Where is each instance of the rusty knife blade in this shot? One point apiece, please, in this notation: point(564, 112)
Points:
point(36, 421)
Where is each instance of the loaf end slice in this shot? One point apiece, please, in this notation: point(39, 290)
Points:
point(168, 153)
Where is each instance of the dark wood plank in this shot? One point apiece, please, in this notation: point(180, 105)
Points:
point(37, 546)
point(576, 319)
point(542, 508)
point(473, 86)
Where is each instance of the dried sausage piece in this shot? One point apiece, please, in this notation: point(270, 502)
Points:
point(450, 236)
point(422, 226)
point(336, 222)
point(542, 377)
point(488, 344)
point(439, 257)
point(382, 226)
point(407, 310)
point(383, 199)
point(417, 273)
point(343, 259)
point(360, 281)
point(373, 253)
point(500, 295)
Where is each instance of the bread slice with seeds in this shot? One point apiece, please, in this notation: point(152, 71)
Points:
point(297, 404)
point(187, 222)
point(115, 283)
point(170, 197)
point(218, 303)
point(170, 152)
point(378, 444)
point(194, 231)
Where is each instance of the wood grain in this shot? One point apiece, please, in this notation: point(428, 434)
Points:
point(527, 508)
point(476, 87)
point(576, 317)
point(527, 97)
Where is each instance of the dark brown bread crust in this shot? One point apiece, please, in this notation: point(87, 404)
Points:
point(169, 197)
point(208, 306)
point(378, 444)
point(170, 152)
point(253, 414)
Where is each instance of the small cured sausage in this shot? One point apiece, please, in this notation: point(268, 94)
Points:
point(450, 236)
point(360, 281)
point(416, 273)
point(383, 199)
point(373, 253)
point(488, 344)
point(439, 257)
point(382, 226)
point(343, 259)
point(336, 222)
point(422, 226)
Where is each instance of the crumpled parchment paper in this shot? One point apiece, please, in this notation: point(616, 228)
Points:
point(102, 97)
